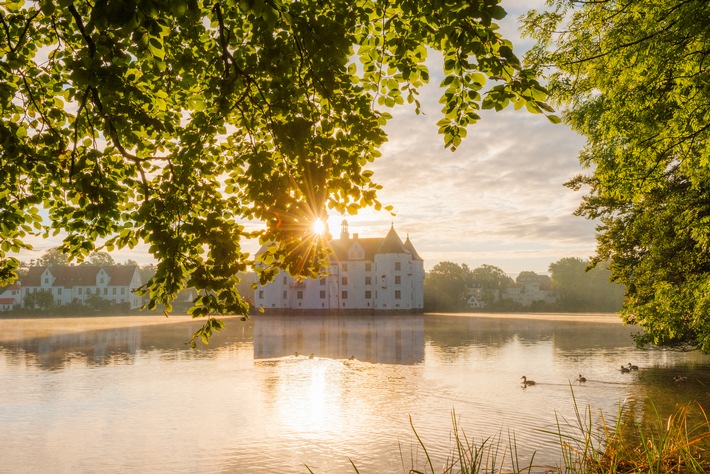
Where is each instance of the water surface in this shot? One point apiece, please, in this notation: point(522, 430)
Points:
point(275, 394)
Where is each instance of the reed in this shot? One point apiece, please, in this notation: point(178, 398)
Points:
point(677, 444)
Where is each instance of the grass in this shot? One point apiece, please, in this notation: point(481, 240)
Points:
point(677, 444)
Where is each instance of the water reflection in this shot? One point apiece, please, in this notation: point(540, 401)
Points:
point(61, 345)
point(68, 385)
point(388, 340)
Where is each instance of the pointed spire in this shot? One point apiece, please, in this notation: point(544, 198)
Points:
point(392, 243)
point(410, 248)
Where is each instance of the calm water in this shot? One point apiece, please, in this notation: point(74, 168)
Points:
point(126, 394)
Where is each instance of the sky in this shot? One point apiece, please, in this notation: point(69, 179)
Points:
point(498, 199)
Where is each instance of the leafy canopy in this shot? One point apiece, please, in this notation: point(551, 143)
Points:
point(634, 77)
point(174, 122)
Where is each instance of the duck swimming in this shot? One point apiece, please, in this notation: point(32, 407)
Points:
point(526, 382)
point(581, 378)
point(625, 369)
point(632, 367)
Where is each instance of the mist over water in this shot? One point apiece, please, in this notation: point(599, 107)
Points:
point(278, 393)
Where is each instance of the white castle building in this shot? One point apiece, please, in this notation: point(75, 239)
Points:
point(365, 275)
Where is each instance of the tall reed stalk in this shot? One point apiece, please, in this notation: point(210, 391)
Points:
point(679, 444)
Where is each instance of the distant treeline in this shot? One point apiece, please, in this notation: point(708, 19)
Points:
point(572, 286)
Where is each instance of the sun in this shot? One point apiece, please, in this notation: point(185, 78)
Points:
point(319, 227)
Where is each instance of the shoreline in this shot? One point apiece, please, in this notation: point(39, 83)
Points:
point(608, 318)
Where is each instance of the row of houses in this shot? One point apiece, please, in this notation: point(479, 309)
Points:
point(523, 294)
point(76, 284)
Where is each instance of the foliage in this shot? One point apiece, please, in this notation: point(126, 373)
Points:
point(581, 287)
point(677, 444)
point(446, 287)
point(52, 257)
point(41, 300)
point(101, 259)
point(490, 277)
point(532, 278)
point(174, 123)
point(634, 79)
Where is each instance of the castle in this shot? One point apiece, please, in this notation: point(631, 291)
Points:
point(365, 275)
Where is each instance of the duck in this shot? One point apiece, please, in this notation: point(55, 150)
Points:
point(526, 382)
point(632, 367)
point(625, 369)
point(581, 379)
point(680, 379)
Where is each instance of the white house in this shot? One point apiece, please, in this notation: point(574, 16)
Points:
point(528, 293)
point(74, 284)
point(365, 275)
point(10, 297)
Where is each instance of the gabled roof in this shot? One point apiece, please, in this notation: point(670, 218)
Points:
point(80, 275)
point(120, 275)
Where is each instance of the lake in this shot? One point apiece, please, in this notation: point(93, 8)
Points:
point(282, 394)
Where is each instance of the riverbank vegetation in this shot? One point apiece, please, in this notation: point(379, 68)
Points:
point(572, 286)
point(678, 443)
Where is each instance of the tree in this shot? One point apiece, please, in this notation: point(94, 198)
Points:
point(446, 287)
point(530, 277)
point(101, 259)
point(39, 300)
point(174, 122)
point(491, 281)
point(491, 277)
point(53, 256)
point(633, 78)
point(582, 287)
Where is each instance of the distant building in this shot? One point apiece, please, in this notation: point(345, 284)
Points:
point(74, 284)
point(528, 293)
point(365, 275)
point(10, 297)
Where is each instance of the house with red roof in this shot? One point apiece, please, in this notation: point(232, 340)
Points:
point(381, 274)
point(76, 283)
point(10, 297)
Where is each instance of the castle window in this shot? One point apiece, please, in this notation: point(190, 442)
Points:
point(368, 294)
point(299, 295)
point(345, 280)
point(285, 281)
point(397, 294)
point(345, 267)
point(322, 294)
point(345, 295)
point(285, 295)
point(368, 280)
point(261, 294)
point(368, 267)
point(322, 281)
point(397, 265)
point(80, 291)
point(397, 279)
